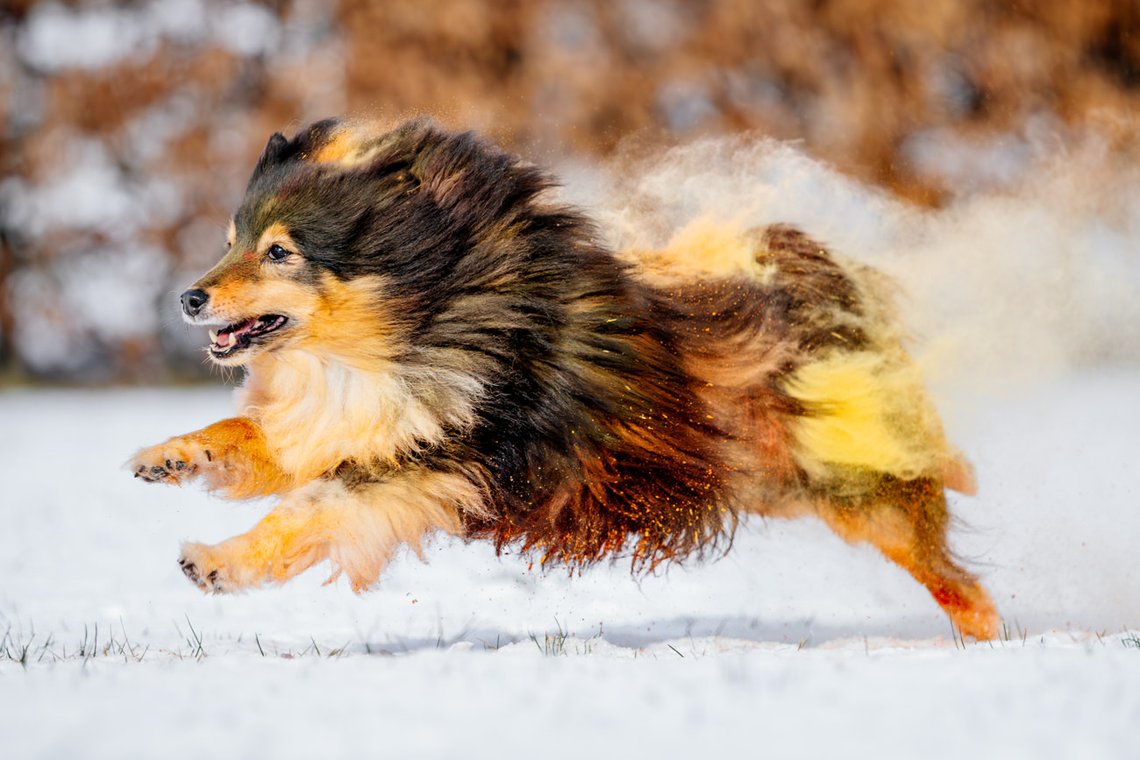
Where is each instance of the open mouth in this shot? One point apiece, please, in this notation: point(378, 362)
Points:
point(241, 335)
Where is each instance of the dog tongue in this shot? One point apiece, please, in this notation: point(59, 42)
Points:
point(227, 335)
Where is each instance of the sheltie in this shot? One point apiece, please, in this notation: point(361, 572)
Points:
point(431, 342)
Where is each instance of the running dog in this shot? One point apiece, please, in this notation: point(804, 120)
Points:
point(432, 343)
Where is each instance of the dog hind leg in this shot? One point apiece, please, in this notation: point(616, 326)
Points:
point(907, 522)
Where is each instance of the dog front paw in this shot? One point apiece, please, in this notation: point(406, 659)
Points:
point(203, 567)
point(175, 461)
point(224, 568)
point(211, 583)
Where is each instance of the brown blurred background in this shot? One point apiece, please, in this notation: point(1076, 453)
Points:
point(127, 129)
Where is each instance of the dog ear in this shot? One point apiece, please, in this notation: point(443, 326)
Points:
point(302, 146)
point(274, 151)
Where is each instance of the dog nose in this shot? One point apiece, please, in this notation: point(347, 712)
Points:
point(193, 300)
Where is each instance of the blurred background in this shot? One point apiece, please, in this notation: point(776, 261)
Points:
point(127, 129)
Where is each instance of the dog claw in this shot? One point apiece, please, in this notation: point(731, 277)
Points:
point(209, 584)
point(189, 569)
point(151, 475)
point(171, 470)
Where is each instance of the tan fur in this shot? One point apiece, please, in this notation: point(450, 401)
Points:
point(341, 320)
point(238, 298)
point(336, 149)
point(356, 529)
point(334, 393)
point(706, 248)
point(275, 234)
point(353, 144)
point(319, 412)
point(906, 521)
point(231, 456)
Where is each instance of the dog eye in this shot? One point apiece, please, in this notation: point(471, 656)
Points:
point(276, 253)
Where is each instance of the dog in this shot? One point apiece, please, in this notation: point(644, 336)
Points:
point(431, 342)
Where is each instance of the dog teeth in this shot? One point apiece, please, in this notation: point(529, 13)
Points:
point(213, 336)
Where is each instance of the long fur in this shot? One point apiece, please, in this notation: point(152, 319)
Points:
point(462, 354)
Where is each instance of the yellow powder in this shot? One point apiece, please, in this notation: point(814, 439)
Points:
point(866, 411)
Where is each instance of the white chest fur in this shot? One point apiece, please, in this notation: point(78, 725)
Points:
point(318, 412)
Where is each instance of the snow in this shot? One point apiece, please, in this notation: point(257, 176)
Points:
point(1041, 702)
point(794, 645)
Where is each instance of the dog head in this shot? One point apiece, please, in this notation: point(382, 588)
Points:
point(348, 237)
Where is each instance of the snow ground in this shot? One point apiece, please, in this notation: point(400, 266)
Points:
point(794, 645)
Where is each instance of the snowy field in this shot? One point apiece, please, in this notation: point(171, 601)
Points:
point(794, 645)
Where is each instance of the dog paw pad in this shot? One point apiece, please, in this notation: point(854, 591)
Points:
point(212, 582)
